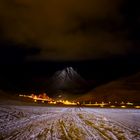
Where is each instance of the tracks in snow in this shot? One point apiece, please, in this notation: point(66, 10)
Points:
point(61, 123)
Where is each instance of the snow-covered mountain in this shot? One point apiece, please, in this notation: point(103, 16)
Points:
point(67, 80)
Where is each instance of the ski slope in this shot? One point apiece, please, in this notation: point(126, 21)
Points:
point(68, 123)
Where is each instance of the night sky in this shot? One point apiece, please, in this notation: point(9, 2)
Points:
point(99, 38)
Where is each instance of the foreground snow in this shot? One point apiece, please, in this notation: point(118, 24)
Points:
point(68, 123)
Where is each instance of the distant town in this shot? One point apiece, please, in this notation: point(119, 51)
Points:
point(45, 99)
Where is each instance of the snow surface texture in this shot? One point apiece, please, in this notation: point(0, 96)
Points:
point(68, 123)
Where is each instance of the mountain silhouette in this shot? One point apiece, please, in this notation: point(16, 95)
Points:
point(67, 80)
point(123, 89)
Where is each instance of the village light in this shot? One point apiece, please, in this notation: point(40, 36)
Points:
point(112, 106)
point(123, 106)
point(138, 107)
point(128, 103)
point(41, 97)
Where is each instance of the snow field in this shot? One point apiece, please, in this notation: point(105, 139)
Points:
point(68, 123)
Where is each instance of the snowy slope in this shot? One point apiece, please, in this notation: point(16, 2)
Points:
point(61, 123)
point(124, 89)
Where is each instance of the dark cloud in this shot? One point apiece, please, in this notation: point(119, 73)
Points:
point(15, 54)
point(66, 30)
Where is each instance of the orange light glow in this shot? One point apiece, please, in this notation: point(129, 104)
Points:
point(138, 107)
point(123, 106)
point(52, 102)
point(112, 106)
point(66, 102)
point(42, 97)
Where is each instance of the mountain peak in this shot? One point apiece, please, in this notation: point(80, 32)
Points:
point(68, 69)
point(67, 74)
point(68, 80)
